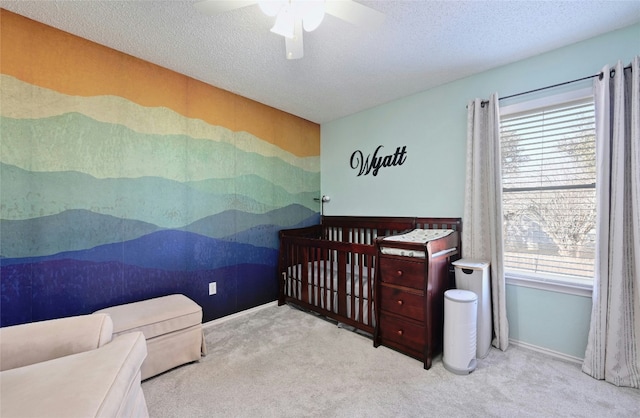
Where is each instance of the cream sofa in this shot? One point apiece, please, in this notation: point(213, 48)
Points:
point(71, 367)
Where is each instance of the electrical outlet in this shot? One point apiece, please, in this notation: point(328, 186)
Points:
point(213, 289)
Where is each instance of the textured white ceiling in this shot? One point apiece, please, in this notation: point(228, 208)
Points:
point(346, 69)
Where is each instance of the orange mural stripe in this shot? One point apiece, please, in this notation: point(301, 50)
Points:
point(53, 59)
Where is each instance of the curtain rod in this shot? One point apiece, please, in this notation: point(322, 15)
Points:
point(552, 86)
point(600, 74)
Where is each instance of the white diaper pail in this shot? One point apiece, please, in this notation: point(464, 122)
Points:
point(460, 316)
point(473, 275)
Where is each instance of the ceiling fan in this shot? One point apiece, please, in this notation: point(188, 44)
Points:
point(292, 16)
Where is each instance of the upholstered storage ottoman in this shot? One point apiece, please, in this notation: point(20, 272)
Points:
point(172, 326)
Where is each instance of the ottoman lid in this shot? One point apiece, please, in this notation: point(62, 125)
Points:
point(156, 316)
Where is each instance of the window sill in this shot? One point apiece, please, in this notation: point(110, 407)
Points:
point(550, 286)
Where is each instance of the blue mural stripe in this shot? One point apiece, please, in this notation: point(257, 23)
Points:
point(61, 288)
point(257, 229)
point(77, 230)
point(166, 250)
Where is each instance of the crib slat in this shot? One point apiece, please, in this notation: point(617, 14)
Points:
point(342, 282)
point(361, 297)
point(372, 286)
point(304, 283)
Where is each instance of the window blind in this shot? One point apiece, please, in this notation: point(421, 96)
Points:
point(548, 174)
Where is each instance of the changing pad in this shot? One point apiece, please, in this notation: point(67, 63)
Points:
point(418, 236)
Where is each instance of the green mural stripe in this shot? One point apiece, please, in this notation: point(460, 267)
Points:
point(74, 142)
point(26, 101)
point(161, 202)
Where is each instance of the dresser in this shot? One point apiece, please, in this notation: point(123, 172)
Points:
point(411, 281)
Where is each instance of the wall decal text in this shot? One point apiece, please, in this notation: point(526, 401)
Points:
point(375, 162)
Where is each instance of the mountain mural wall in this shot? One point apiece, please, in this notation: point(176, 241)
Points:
point(113, 193)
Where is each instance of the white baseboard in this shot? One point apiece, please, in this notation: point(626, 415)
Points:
point(238, 314)
point(543, 350)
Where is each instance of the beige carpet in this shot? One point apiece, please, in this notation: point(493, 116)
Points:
point(281, 362)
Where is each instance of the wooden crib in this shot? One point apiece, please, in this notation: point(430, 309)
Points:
point(331, 268)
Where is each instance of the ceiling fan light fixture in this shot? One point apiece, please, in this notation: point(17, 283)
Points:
point(311, 12)
point(284, 23)
point(293, 17)
point(287, 12)
point(293, 46)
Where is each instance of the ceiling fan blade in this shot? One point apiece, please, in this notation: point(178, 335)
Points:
point(294, 45)
point(212, 7)
point(355, 13)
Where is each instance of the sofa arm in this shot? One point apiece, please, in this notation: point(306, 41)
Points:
point(25, 344)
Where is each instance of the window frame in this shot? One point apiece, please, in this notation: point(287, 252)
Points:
point(542, 281)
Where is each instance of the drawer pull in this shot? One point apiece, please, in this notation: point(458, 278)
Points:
point(400, 332)
point(399, 273)
point(400, 302)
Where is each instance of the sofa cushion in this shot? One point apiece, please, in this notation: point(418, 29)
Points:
point(41, 341)
point(154, 317)
point(98, 382)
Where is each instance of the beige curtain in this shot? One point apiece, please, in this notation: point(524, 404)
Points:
point(482, 222)
point(613, 347)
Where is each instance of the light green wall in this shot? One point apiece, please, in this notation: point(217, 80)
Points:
point(432, 125)
point(554, 321)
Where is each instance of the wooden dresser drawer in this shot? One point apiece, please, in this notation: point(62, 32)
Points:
point(402, 272)
point(401, 332)
point(401, 302)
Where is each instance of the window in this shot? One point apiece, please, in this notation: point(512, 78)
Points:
point(548, 175)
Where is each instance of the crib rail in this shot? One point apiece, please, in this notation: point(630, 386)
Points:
point(335, 279)
point(363, 229)
point(439, 223)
